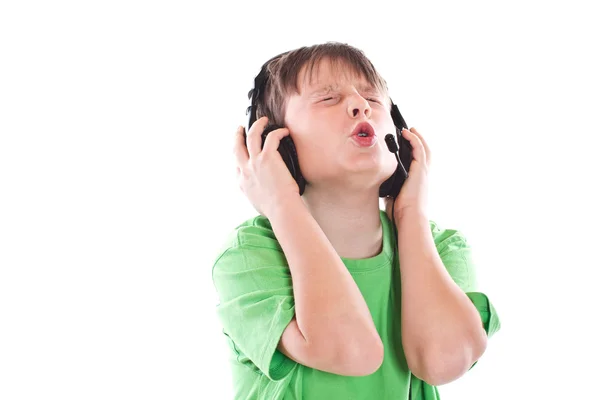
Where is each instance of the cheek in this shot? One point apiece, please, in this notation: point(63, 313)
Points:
point(312, 153)
point(389, 161)
point(315, 158)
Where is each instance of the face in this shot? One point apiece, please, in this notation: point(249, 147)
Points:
point(321, 120)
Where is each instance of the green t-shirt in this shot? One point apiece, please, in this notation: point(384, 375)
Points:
point(256, 303)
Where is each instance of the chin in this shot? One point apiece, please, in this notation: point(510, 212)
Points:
point(379, 165)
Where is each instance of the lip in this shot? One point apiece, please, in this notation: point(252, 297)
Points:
point(364, 142)
point(364, 127)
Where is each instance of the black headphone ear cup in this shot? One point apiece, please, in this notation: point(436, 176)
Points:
point(405, 151)
point(385, 189)
point(287, 149)
point(391, 187)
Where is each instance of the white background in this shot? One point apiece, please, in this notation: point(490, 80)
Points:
point(117, 182)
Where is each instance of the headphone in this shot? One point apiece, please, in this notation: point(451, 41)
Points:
point(401, 148)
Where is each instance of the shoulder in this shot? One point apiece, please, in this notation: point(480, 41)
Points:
point(253, 236)
point(456, 255)
point(253, 232)
point(447, 238)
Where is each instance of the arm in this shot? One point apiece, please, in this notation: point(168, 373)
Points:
point(442, 331)
point(333, 329)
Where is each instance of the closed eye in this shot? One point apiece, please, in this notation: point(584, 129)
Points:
point(331, 98)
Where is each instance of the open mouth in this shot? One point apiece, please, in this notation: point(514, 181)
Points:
point(363, 130)
point(364, 135)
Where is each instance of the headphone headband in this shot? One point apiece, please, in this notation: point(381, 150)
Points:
point(260, 83)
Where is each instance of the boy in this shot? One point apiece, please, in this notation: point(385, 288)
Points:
point(314, 304)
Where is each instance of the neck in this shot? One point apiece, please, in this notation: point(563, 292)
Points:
point(351, 221)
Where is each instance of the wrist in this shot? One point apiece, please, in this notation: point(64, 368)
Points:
point(284, 206)
point(410, 213)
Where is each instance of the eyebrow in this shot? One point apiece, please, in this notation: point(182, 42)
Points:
point(324, 89)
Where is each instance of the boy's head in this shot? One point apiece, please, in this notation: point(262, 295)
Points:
point(321, 93)
point(288, 71)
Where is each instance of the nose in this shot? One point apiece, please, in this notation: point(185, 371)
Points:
point(358, 106)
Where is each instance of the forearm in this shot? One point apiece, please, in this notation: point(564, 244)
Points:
point(330, 309)
point(442, 333)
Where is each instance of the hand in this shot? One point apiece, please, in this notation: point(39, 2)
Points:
point(414, 191)
point(262, 174)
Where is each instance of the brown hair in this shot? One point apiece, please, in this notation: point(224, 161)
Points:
point(283, 74)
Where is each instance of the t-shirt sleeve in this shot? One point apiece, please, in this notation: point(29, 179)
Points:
point(456, 254)
point(256, 302)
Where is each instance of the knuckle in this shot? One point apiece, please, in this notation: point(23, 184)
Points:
point(260, 159)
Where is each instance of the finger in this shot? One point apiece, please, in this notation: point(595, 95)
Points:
point(273, 139)
point(240, 151)
point(254, 139)
point(417, 145)
point(425, 145)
